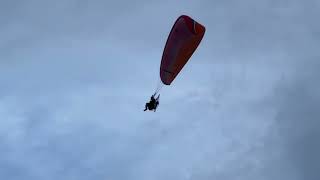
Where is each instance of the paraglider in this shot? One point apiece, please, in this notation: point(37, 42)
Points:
point(152, 104)
point(184, 38)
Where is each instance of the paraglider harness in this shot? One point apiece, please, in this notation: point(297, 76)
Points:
point(153, 103)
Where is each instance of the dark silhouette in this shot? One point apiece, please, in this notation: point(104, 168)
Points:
point(152, 104)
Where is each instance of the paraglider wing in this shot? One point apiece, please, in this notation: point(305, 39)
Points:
point(184, 38)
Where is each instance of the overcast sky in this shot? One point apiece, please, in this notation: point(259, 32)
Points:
point(75, 76)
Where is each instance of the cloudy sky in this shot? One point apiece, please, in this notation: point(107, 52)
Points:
point(75, 76)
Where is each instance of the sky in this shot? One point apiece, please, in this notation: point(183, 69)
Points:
point(75, 76)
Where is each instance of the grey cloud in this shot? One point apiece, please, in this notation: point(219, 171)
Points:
point(75, 76)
